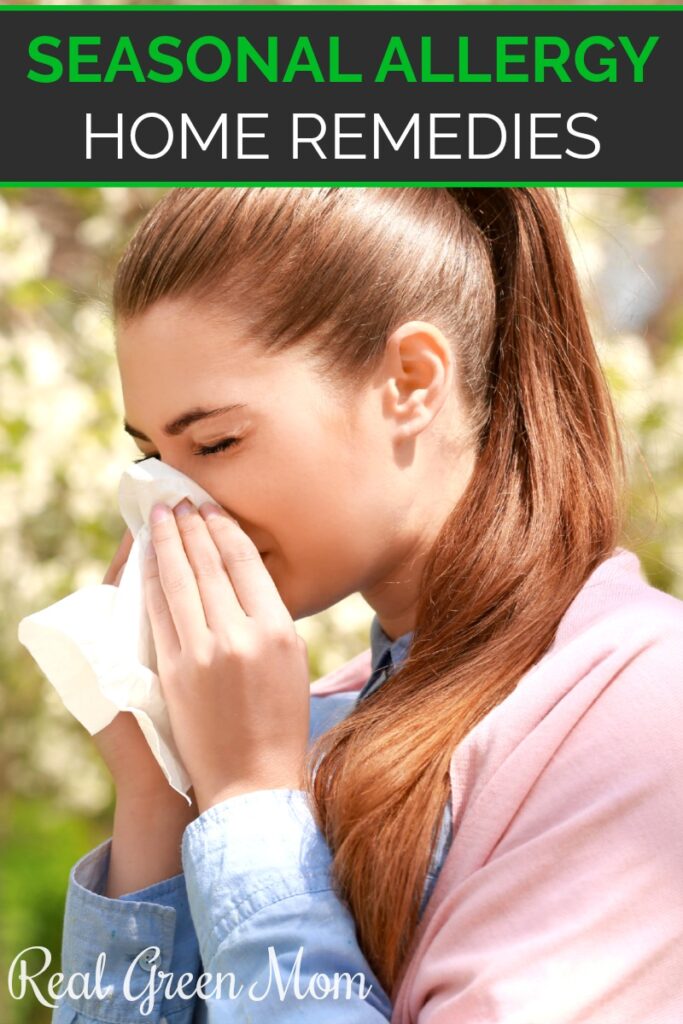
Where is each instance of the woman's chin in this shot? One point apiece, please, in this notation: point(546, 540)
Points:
point(299, 606)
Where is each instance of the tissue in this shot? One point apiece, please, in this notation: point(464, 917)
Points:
point(96, 647)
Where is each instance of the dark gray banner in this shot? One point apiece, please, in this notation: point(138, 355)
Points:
point(294, 95)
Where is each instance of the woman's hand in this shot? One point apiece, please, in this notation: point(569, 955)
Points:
point(137, 775)
point(233, 670)
point(121, 744)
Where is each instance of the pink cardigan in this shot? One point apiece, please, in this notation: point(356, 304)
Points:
point(561, 898)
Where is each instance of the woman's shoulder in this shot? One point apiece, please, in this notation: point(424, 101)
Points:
point(616, 597)
point(624, 633)
point(618, 625)
point(605, 702)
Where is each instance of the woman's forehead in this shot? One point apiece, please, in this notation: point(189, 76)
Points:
point(171, 357)
point(185, 326)
point(177, 338)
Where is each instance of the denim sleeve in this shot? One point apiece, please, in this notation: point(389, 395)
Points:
point(255, 911)
point(276, 941)
point(114, 950)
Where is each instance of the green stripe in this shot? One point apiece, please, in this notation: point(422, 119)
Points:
point(345, 7)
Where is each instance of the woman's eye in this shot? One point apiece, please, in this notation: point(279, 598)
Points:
point(220, 446)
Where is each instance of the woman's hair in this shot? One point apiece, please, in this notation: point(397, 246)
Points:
point(337, 269)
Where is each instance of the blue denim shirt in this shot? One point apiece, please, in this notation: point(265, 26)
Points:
point(255, 902)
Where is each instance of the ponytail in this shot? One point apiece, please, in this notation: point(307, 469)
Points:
point(541, 511)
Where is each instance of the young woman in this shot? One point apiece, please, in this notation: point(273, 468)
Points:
point(393, 392)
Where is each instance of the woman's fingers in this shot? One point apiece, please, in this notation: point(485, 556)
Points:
point(177, 580)
point(220, 602)
point(252, 583)
point(164, 633)
point(211, 574)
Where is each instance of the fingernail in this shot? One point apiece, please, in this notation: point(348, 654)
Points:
point(208, 510)
point(159, 513)
point(184, 508)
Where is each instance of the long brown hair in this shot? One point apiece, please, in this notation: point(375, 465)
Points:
point(338, 269)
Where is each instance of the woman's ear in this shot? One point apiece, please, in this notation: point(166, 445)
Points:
point(419, 368)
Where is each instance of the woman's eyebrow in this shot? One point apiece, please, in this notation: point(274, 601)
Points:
point(181, 423)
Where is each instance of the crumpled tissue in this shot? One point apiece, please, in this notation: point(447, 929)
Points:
point(96, 647)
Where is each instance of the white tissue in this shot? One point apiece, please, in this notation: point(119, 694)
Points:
point(95, 646)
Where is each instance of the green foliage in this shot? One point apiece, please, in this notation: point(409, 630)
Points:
point(35, 859)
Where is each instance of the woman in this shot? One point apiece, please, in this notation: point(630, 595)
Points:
point(390, 391)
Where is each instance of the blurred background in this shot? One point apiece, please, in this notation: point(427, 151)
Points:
point(62, 450)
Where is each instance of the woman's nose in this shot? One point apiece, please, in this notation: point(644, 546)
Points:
point(186, 466)
point(198, 473)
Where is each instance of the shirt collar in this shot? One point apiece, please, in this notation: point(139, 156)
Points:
point(380, 644)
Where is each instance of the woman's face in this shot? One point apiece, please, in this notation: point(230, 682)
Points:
point(315, 482)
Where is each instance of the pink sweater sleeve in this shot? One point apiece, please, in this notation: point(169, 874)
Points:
point(561, 900)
